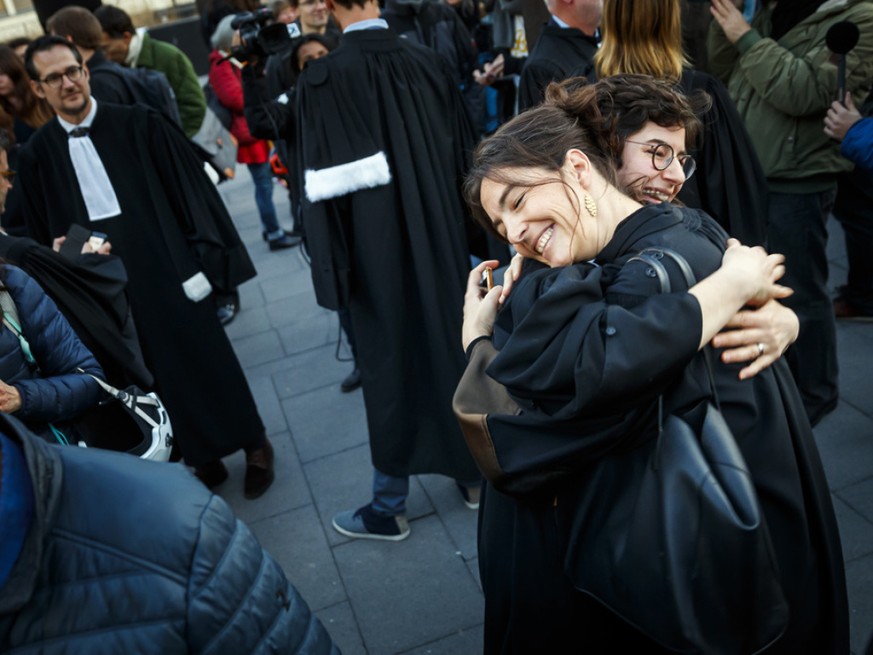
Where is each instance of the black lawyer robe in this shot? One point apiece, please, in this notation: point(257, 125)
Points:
point(173, 224)
point(392, 249)
point(558, 51)
point(522, 546)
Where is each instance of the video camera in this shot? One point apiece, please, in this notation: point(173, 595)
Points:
point(259, 39)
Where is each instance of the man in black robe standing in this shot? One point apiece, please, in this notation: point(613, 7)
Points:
point(382, 136)
point(568, 42)
point(128, 172)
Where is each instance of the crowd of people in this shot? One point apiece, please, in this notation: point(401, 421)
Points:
point(557, 147)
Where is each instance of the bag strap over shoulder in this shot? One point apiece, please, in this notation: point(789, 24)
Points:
point(11, 321)
point(653, 258)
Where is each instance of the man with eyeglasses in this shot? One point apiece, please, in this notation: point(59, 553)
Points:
point(126, 171)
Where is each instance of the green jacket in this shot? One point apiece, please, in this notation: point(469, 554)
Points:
point(172, 62)
point(783, 90)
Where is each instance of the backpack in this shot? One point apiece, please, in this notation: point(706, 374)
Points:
point(150, 88)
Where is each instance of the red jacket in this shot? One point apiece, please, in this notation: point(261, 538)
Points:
point(226, 80)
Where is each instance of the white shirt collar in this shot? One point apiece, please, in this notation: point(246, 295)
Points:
point(368, 24)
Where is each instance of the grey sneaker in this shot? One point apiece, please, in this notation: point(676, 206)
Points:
point(365, 523)
point(470, 495)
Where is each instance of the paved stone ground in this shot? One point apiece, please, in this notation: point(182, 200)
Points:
point(422, 595)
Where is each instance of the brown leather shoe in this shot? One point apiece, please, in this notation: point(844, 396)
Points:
point(259, 471)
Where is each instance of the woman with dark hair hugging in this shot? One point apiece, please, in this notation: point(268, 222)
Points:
point(585, 345)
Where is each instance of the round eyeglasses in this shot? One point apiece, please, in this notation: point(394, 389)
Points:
point(663, 155)
point(73, 73)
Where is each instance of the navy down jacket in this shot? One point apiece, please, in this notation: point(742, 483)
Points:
point(55, 392)
point(132, 556)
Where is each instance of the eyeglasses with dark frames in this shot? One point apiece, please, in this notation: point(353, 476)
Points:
point(663, 155)
point(9, 174)
point(73, 73)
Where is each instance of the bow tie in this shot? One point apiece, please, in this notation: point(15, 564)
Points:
point(78, 132)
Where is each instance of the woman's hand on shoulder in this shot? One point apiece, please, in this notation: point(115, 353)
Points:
point(755, 272)
point(758, 336)
point(480, 305)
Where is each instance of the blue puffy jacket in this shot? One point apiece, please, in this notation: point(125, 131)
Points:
point(858, 144)
point(55, 392)
point(129, 556)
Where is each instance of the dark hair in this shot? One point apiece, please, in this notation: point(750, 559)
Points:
point(595, 118)
point(540, 138)
point(19, 41)
point(33, 110)
point(78, 23)
point(114, 21)
point(326, 41)
point(628, 102)
point(42, 44)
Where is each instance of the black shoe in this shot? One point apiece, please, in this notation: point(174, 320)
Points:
point(226, 313)
point(352, 381)
point(284, 241)
point(259, 471)
point(212, 473)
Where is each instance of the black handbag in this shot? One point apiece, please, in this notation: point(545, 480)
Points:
point(671, 536)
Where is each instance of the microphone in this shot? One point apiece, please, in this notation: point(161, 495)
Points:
point(840, 39)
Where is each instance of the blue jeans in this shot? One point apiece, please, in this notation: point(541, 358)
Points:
point(797, 229)
point(389, 493)
point(262, 176)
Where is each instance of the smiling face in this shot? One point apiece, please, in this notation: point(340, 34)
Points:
point(538, 212)
point(313, 16)
point(638, 173)
point(71, 100)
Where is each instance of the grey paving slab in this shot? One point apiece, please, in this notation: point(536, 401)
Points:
point(856, 532)
point(310, 370)
point(462, 642)
point(860, 498)
point(288, 491)
point(458, 519)
point(326, 422)
point(281, 286)
point(296, 541)
point(342, 625)
point(843, 438)
point(269, 405)
point(854, 370)
point(415, 576)
point(259, 348)
point(296, 308)
point(316, 330)
point(250, 320)
point(859, 580)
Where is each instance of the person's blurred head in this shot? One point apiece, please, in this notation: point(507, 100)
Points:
point(584, 15)
point(222, 36)
point(641, 37)
point(57, 75)
point(77, 24)
point(6, 175)
point(118, 30)
point(284, 11)
point(313, 16)
point(19, 45)
point(309, 48)
point(17, 97)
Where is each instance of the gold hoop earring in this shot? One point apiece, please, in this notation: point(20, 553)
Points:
point(591, 206)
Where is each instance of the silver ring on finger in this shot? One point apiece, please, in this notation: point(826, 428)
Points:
point(760, 348)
